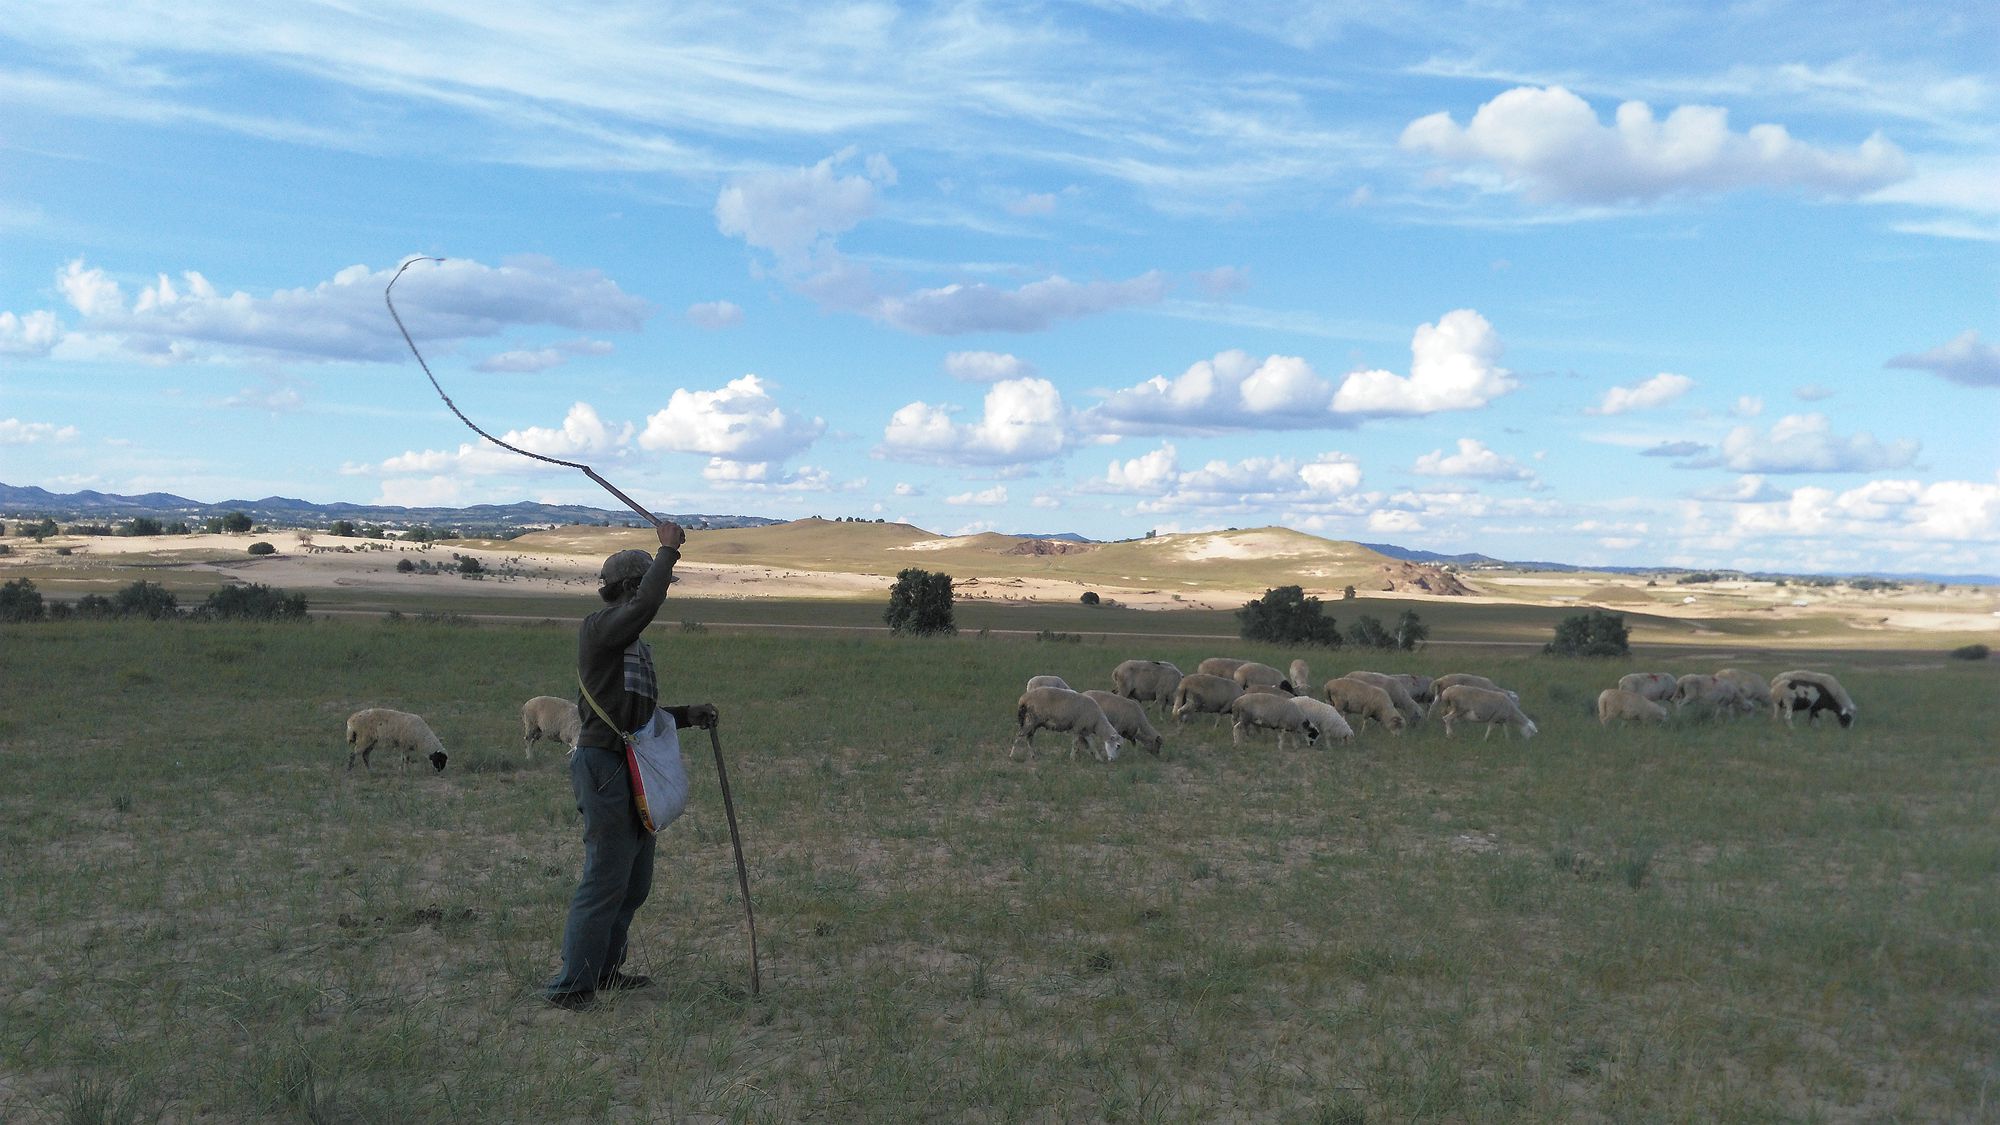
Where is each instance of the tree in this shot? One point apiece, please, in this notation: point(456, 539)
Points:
point(257, 602)
point(469, 565)
point(144, 525)
point(1090, 598)
point(262, 548)
point(342, 528)
point(920, 603)
point(43, 529)
point(1347, 594)
point(146, 599)
point(1596, 633)
point(20, 601)
point(405, 566)
point(236, 522)
point(1286, 616)
point(1367, 632)
point(1411, 632)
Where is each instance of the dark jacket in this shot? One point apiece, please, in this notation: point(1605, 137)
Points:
point(600, 658)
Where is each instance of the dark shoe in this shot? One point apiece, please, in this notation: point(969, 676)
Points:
point(621, 982)
point(573, 1001)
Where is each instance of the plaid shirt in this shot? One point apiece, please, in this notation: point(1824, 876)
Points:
point(640, 682)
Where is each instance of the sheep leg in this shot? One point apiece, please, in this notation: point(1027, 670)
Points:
point(1236, 734)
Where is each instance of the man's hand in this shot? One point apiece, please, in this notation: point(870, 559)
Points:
point(671, 535)
point(702, 715)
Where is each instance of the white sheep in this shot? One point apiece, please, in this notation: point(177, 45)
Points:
point(1147, 681)
point(1628, 705)
point(1811, 692)
point(1047, 681)
point(1204, 694)
point(1250, 674)
point(1656, 686)
point(1753, 692)
point(1262, 711)
point(1437, 687)
point(1704, 692)
point(1128, 719)
point(546, 716)
point(395, 730)
point(1399, 693)
point(1469, 704)
point(1332, 724)
point(1359, 699)
point(1224, 666)
point(1059, 709)
point(1300, 675)
point(1418, 686)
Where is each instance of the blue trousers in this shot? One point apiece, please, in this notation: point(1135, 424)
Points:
point(617, 870)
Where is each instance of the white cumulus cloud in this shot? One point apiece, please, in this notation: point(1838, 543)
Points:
point(583, 434)
point(1656, 391)
point(31, 335)
point(1232, 391)
point(738, 422)
point(795, 213)
point(1023, 420)
point(764, 476)
point(986, 498)
point(1473, 460)
point(1806, 443)
point(1965, 359)
point(1454, 365)
point(13, 431)
point(986, 367)
point(1549, 144)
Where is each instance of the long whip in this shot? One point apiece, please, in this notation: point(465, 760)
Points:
point(721, 770)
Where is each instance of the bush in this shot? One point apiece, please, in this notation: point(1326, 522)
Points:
point(236, 522)
point(20, 601)
point(1411, 632)
point(1971, 652)
point(146, 599)
point(469, 565)
point(405, 566)
point(920, 603)
point(1596, 633)
point(1367, 632)
point(95, 605)
point(262, 548)
point(1090, 598)
point(1286, 616)
point(256, 602)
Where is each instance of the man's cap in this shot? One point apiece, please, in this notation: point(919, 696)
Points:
point(623, 565)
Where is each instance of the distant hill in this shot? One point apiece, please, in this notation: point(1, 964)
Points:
point(282, 511)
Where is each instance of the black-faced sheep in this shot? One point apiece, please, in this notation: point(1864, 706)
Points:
point(1147, 681)
point(1059, 709)
point(1360, 701)
point(1464, 703)
point(393, 730)
point(1204, 694)
point(1262, 711)
point(546, 716)
point(1623, 704)
point(1811, 692)
point(1332, 724)
point(1128, 719)
point(1656, 686)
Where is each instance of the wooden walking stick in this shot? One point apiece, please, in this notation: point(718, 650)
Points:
point(721, 771)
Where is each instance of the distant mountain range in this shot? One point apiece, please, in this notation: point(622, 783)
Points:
point(477, 520)
point(283, 511)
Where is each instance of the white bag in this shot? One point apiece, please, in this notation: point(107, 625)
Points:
point(659, 777)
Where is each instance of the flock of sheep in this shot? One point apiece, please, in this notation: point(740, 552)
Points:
point(1259, 697)
point(1256, 697)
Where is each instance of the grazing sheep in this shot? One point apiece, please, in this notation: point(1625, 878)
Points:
point(1468, 704)
point(1282, 688)
point(1753, 692)
point(1656, 686)
point(1418, 686)
point(1450, 680)
point(1047, 681)
point(1332, 724)
point(1204, 694)
point(1147, 681)
point(1059, 709)
point(1224, 666)
point(1707, 694)
point(546, 716)
point(1252, 674)
point(396, 730)
point(1399, 694)
point(1811, 692)
point(1624, 703)
point(1260, 711)
point(1299, 674)
point(1363, 700)
point(1128, 719)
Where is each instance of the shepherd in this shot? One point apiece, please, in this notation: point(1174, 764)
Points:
point(619, 703)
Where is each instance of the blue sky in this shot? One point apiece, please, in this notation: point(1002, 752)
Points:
point(1715, 286)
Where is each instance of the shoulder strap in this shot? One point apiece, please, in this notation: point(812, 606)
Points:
point(592, 700)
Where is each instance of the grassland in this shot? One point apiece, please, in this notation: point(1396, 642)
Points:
point(208, 918)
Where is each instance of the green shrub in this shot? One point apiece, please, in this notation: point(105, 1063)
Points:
point(1286, 616)
point(920, 604)
point(1090, 598)
point(20, 601)
point(262, 548)
point(255, 601)
point(1596, 633)
point(235, 522)
point(146, 599)
point(1971, 652)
